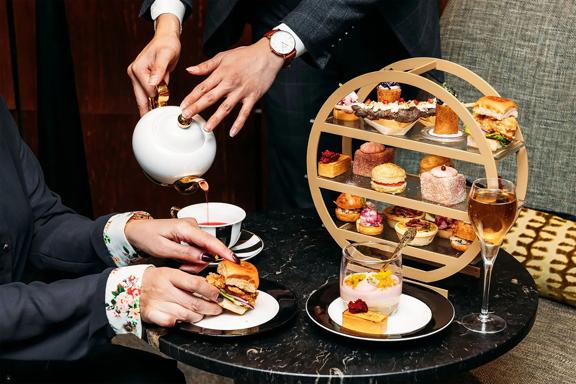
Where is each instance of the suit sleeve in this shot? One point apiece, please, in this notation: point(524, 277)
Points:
point(57, 321)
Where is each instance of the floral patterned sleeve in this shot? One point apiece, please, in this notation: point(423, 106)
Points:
point(123, 299)
point(121, 251)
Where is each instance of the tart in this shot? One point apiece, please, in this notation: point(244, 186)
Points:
point(333, 164)
point(425, 231)
point(343, 109)
point(395, 214)
point(370, 221)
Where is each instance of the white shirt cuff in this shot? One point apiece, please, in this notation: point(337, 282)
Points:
point(121, 251)
point(122, 299)
point(300, 48)
point(174, 7)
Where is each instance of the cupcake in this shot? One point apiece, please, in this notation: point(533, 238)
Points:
point(425, 231)
point(370, 221)
point(369, 156)
point(443, 185)
point(388, 92)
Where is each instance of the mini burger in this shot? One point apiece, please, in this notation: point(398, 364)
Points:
point(348, 207)
point(238, 285)
point(462, 235)
point(497, 118)
point(389, 178)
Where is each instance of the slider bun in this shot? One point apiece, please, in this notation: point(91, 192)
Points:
point(388, 173)
point(463, 230)
point(497, 104)
point(349, 201)
point(432, 161)
point(243, 275)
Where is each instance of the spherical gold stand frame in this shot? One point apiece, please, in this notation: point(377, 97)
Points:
point(410, 72)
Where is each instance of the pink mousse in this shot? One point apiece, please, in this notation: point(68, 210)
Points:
point(384, 300)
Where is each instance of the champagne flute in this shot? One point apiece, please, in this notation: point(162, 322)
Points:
point(492, 208)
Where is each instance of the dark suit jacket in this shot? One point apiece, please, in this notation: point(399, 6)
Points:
point(328, 27)
point(45, 321)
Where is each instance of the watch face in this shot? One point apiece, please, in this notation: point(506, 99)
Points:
point(282, 42)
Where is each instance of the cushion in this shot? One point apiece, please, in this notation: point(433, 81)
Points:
point(545, 244)
point(526, 51)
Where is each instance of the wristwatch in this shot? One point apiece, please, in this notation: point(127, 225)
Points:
point(282, 44)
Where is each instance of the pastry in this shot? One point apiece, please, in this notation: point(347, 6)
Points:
point(389, 178)
point(462, 235)
point(427, 112)
point(343, 109)
point(370, 221)
point(370, 155)
point(333, 164)
point(445, 225)
point(365, 322)
point(432, 161)
point(348, 207)
point(443, 185)
point(399, 112)
point(395, 214)
point(379, 290)
point(446, 120)
point(425, 231)
point(388, 92)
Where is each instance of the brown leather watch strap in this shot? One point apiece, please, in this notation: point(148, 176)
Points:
point(288, 57)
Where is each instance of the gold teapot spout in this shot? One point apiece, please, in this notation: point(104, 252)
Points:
point(190, 184)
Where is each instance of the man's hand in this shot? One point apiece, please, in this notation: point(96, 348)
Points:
point(162, 238)
point(156, 60)
point(169, 295)
point(241, 75)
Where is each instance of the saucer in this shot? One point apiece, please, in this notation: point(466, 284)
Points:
point(248, 246)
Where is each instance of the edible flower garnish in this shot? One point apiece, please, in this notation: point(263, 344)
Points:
point(329, 157)
point(355, 279)
point(370, 216)
point(383, 279)
point(358, 306)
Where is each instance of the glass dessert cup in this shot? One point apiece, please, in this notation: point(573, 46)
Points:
point(370, 273)
point(493, 208)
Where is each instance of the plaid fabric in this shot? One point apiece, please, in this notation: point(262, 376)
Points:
point(526, 51)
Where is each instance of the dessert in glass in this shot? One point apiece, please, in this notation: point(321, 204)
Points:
point(370, 273)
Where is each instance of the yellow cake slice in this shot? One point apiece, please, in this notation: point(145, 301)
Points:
point(365, 322)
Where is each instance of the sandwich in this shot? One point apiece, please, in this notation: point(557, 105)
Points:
point(238, 285)
point(497, 118)
point(348, 207)
point(462, 235)
point(389, 178)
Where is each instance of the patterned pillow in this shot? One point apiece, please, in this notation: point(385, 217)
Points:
point(545, 244)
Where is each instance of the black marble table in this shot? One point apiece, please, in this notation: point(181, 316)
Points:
point(300, 254)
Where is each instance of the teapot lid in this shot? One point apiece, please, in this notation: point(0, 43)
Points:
point(175, 137)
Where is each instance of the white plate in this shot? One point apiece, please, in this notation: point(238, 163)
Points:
point(388, 130)
point(266, 308)
point(411, 316)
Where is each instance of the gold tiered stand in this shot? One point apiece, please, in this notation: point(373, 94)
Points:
point(444, 260)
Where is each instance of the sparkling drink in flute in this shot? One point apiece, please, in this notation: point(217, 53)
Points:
point(492, 208)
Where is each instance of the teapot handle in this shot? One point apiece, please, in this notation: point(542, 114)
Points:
point(161, 97)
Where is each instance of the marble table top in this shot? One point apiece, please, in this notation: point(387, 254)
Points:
point(300, 254)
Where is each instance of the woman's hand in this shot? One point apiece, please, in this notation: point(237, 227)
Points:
point(162, 238)
point(169, 295)
point(156, 60)
point(240, 75)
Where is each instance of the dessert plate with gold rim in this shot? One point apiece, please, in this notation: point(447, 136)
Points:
point(422, 312)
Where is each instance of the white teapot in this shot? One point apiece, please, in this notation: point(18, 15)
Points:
point(171, 150)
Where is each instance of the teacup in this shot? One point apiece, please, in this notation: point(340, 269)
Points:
point(224, 221)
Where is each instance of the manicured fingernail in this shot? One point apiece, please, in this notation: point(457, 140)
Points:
point(220, 299)
point(208, 257)
point(235, 258)
point(185, 114)
point(233, 132)
point(192, 68)
point(153, 80)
